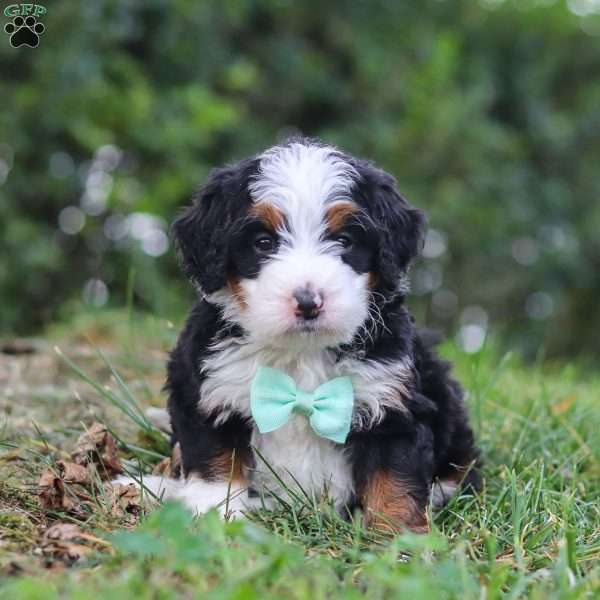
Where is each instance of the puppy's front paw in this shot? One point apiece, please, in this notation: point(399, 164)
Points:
point(231, 500)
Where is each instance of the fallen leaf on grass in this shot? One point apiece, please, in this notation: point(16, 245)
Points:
point(73, 473)
point(171, 465)
point(564, 405)
point(55, 495)
point(65, 550)
point(67, 542)
point(124, 499)
point(63, 532)
point(72, 552)
point(52, 493)
point(98, 446)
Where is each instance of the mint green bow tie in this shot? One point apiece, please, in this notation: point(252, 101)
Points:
point(274, 397)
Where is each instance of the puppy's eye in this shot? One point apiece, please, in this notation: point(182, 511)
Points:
point(345, 241)
point(264, 243)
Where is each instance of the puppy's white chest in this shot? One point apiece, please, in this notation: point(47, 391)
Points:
point(295, 451)
point(300, 457)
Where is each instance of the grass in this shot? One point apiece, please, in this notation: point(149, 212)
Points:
point(533, 531)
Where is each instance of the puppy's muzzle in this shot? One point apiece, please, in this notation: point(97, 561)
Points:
point(308, 303)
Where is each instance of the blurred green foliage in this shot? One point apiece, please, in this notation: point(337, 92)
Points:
point(487, 112)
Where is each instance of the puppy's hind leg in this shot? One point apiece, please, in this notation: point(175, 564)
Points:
point(228, 495)
point(393, 479)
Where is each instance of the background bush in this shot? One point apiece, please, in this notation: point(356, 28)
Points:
point(488, 113)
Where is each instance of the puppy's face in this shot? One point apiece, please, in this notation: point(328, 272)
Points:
point(293, 244)
point(301, 258)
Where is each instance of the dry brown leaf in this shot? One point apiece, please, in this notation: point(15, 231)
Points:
point(564, 405)
point(170, 466)
point(71, 532)
point(47, 478)
point(63, 532)
point(163, 467)
point(125, 499)
point(90, 440)
point(52, 492)
point(73, 551)
point(67, 551)
point(73, 473)
point(98, 446)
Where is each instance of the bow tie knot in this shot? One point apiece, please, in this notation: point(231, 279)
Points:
point(303, 404)
point(274, 396)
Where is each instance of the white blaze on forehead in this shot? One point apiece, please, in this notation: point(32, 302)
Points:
point(302, 180)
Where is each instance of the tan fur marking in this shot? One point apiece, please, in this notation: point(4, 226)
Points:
point(238, 292)
point(171, 465)
point(339, 213)
point(390, 507)
point(373, 280)
point(228, 466)
point(270, 215)
point(176, 461)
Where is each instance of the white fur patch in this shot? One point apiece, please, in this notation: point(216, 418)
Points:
point(442, 491)
point(232, 365)
point(317, 464)
point(269, 314)
point(197, 495)
point(302, 180)
point(377, 386)
point(301, 458)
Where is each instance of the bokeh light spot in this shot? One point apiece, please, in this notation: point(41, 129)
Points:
point(116, 228)
point(95, 292)
point(61, 165)
point(426, 279)
point(435, 244)
point(583, 8)
point(155, 243)
point(71, 220)
point(525, 251)
point(474, 315)
point(444, 303)
point(539, 305)
point(4, 171)
point(471, 338)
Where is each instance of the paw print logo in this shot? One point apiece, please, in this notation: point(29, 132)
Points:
point(24, 32)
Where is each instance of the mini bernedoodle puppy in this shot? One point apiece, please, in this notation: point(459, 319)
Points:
point(299, 356)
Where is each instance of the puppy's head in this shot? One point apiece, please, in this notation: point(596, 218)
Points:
point(293, 243)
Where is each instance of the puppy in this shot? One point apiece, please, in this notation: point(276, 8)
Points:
point(299, 257)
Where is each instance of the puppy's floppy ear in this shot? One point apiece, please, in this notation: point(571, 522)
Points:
point(401, 237)
point(401, 227)
point(202, 232)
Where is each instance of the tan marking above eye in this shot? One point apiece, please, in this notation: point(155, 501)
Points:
point(338, 214)
point(269, 214)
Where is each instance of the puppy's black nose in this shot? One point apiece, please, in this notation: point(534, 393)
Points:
point(308, 303)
